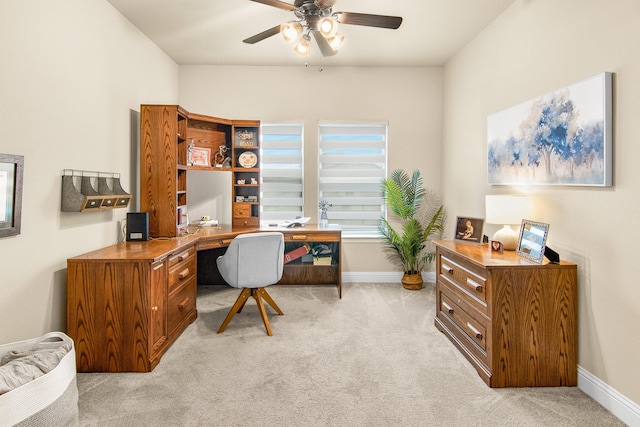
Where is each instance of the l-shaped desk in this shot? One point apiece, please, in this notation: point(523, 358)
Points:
point(127, 303)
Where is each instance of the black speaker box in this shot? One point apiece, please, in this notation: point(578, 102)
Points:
point(551, 255)
point(137, 226)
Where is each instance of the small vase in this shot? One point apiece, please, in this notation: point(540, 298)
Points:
point(324, 220)
point(412, 282)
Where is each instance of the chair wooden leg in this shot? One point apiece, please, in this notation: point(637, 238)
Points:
point(240, 302)
point(265, 295)
point(263, 313)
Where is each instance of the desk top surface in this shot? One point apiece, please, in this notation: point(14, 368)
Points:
point(158, 248)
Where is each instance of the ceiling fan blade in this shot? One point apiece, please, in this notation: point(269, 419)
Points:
point(277, 3)
point(263, 35)
point(367, 20)
point(325, 4)
point(323, 44)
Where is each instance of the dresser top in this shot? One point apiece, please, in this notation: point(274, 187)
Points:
point(484, 257)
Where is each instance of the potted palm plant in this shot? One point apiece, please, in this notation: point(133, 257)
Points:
point(418, 218)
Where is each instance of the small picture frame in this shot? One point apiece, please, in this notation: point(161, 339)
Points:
point(496, 246)
point(532, 240)
point(469, 229)
point(11, 178)
point(199, 156)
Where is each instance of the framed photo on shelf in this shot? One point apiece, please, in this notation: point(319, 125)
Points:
point(11, 173)
point(246, 138)
point(469, 229)
point(199, 156)
point(532, 240)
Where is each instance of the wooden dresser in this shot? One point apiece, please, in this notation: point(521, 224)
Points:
point(515, 321)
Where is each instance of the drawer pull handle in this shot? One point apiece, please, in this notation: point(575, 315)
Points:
point(474, 285)
point(448, 307)
point(154, 308)
point(184, 273)
point(182, 257)
point(184, 303)
point(477, 333)
point(448, 269)
point(299, 237)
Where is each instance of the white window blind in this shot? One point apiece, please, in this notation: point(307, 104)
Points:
point(281, 169)
point(353, 162)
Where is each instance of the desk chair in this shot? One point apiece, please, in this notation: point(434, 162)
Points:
point(252, 262)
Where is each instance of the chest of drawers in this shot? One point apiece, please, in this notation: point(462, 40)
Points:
point(515, 321)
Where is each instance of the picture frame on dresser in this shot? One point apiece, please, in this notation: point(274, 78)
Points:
point(469, 229)
point(532, 240)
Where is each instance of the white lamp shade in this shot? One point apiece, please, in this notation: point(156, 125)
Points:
point(507, 209)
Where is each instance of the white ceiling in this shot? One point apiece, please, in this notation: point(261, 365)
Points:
point(210, 32)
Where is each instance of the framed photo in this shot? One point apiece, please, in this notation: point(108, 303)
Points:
point(532, 240)
point(11, 173)
point(469, 229)
point(199, 156)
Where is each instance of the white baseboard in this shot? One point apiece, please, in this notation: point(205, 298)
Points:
point(620, 406)
point(382, 277)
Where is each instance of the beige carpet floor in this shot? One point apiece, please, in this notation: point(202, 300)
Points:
point(372, 358)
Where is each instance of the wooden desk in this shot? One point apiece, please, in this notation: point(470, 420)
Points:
point(127, 303)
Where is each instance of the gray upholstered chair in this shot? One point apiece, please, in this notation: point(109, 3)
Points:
point(252, 262)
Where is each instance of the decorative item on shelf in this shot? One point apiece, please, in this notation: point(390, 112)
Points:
point(221, 158)
point(245, 138)
point(251, 199)
point(240, 181)
point(239, 199)
point(324, 206)
point(254, 181)
point(422, 218)
point(247, 159)
point(79, 193)
point(507, 210)
point(198, 156)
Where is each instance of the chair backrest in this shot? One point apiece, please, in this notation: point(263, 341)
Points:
point(253, 260)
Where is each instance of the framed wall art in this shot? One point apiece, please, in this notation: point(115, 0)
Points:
point(532, 240)
point(469, 229)
point(561, 138)
point(11, 175)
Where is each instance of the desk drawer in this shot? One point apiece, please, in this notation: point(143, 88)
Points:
point(214, 243)
point(181, 272)
point(301, 236)
point(181, 304)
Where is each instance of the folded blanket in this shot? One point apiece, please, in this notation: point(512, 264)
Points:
point(19, 367)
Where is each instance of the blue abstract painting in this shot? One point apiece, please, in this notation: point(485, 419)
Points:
point(562, 138)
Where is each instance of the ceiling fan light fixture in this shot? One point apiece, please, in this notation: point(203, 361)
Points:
point(336, 41)
point(290, 31)
point(302, 46)
point(328, 26)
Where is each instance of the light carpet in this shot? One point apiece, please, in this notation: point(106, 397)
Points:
point(372, 358)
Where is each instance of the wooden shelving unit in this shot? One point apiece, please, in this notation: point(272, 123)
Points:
point(170, 137)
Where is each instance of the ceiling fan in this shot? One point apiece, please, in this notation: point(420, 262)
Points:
point(317, 18)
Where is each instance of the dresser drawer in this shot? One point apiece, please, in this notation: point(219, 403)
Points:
point(181, 305)
point(181, 271)
point(464, 276)
point(468, 320)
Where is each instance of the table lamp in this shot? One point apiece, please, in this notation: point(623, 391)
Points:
point(507, 210)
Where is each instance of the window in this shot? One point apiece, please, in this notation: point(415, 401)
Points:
point(353, 162)
point(282, 172)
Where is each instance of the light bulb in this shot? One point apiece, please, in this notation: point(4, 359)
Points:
point(328, 27)
point(290, 31)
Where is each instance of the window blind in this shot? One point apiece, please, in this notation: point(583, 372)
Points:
point(353, 162)
point(281, 170)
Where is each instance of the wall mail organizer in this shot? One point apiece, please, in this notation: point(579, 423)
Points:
point(92, 191)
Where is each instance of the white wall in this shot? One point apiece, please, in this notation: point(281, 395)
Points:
point(409, 98)
point(72, 73)
point(536, 47)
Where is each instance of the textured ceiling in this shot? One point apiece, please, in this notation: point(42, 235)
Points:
point(199, 32)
